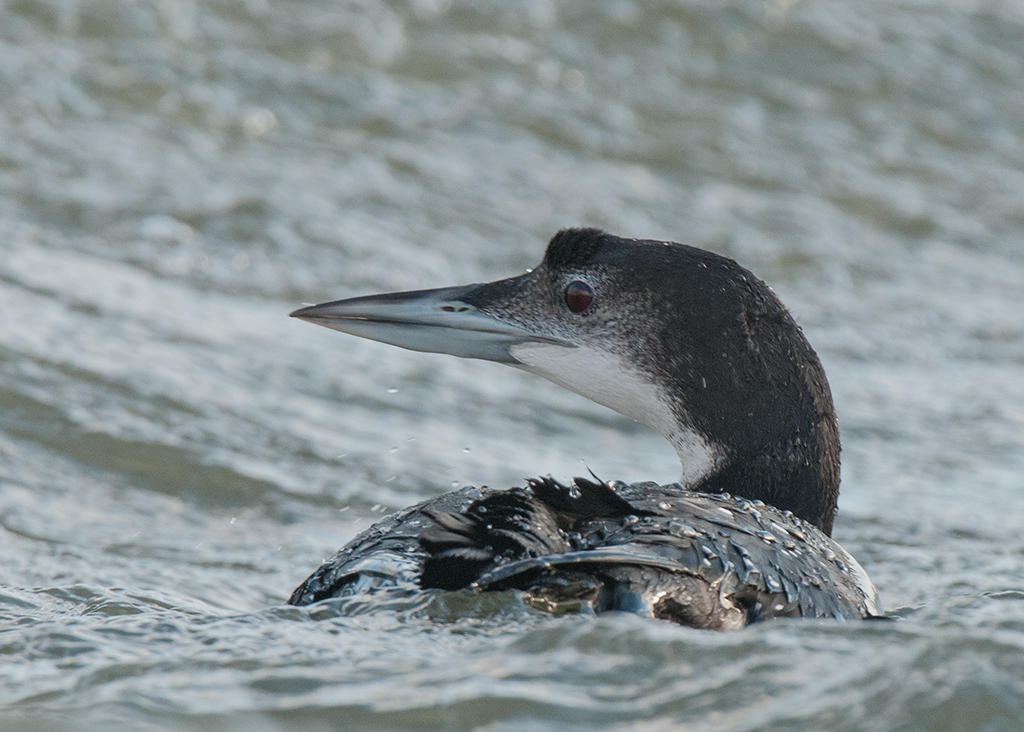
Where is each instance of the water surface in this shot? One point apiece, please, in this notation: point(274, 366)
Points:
point(176, 454)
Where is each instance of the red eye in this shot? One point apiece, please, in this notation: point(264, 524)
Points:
point(578, 296)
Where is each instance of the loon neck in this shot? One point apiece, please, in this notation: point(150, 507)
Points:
point(797, 473)
point(754, 417)
point(807, 488)
point(783, 451)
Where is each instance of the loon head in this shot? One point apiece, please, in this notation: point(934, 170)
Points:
point(675, 337)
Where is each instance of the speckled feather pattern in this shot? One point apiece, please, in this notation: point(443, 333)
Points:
point(713, 561)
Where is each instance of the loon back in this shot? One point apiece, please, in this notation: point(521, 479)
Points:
point(680, 339)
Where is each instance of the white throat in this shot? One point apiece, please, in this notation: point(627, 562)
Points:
point(606, 379)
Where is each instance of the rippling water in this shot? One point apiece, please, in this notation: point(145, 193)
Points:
point(176, 454)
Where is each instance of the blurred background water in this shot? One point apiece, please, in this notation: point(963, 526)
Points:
point(176, 454)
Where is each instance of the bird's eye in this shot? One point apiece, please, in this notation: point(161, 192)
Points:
point(578, 296)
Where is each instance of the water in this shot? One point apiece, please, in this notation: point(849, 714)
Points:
point(176, 454)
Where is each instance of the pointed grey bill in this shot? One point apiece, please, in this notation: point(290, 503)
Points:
point(435, 321)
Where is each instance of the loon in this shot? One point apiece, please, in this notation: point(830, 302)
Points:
point(680, 339)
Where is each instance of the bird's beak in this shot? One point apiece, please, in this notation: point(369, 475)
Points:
point(445, 320)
